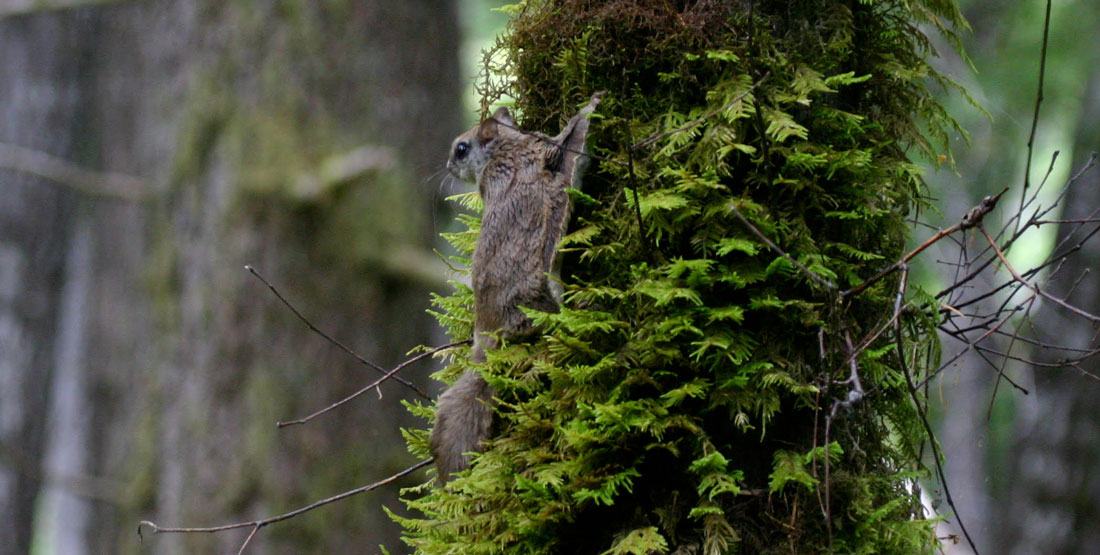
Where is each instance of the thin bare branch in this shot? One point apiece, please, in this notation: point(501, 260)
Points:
point(1047, 346)
point(983, 325)
point(913, 388)
point(828, 284)
point(1038, 99)
point(1059, 254)
point(1076, 221)
point(961, 282)
point(374, 384)
point(251, 535)
point(972, 218)
point(1064, 363)
point(257, 524)
point(1038, 291)
point(1013, 222)
point(1004, 361)
point(958, 355)
point(328, 338)
point(982, 352)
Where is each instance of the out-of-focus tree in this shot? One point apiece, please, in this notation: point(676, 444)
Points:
point(1052, 498)
point(142, 369)
point(1021, 465)
point(37, 88)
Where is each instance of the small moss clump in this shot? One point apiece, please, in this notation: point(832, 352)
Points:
point(679, 401)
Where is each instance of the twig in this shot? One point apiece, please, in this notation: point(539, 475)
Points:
point(1043, 345)
point(1064, 363)
point(855, 394)
point(1019, 232)
point(257, 524)
point(1038, 291)
point(1018, 281)
point(1004, 361)
point(328, 338)
point(973, 217)
point(984, 325)
point(661, 135)
point(928, 429)
point(1026, 202)
point(1077, 221)
point(251, 535)
point(969, 345)
point(1038, 102)
point(871, 337)
point(828, 284)
point(981, 351)
point(373, 385)
point(960, 335)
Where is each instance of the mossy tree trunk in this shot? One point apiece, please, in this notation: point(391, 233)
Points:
point(695, 393)
point(293, 136)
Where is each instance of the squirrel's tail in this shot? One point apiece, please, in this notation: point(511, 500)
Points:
point(463, 419)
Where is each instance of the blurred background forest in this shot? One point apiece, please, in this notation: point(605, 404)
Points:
point(149, 149)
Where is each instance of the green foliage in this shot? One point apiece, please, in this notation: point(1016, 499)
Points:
point(793, 467)
point(678, 401)
point(642, 541)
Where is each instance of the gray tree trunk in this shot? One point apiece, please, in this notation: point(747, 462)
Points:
point(128, 327)
point(1054, 497)
point(39, 100)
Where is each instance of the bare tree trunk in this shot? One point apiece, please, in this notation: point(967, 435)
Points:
point(242, 121)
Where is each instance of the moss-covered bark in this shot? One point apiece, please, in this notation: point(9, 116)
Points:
point(678, 403)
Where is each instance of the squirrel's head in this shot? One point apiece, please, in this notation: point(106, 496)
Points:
point(471, 150)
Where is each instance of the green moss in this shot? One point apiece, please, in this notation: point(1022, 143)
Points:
point(678, 402)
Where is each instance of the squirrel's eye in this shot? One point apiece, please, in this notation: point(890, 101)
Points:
point(461, 149)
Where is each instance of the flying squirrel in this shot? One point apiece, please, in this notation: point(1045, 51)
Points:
point(521, 177)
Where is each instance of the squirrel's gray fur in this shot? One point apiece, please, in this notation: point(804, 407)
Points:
point(522, 178)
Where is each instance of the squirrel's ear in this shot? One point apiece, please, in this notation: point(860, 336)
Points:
point(502, 115)
point(488, 130)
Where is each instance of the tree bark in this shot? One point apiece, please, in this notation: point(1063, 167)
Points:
point(233, 116)
point(1052, 500)
point(39, 100)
